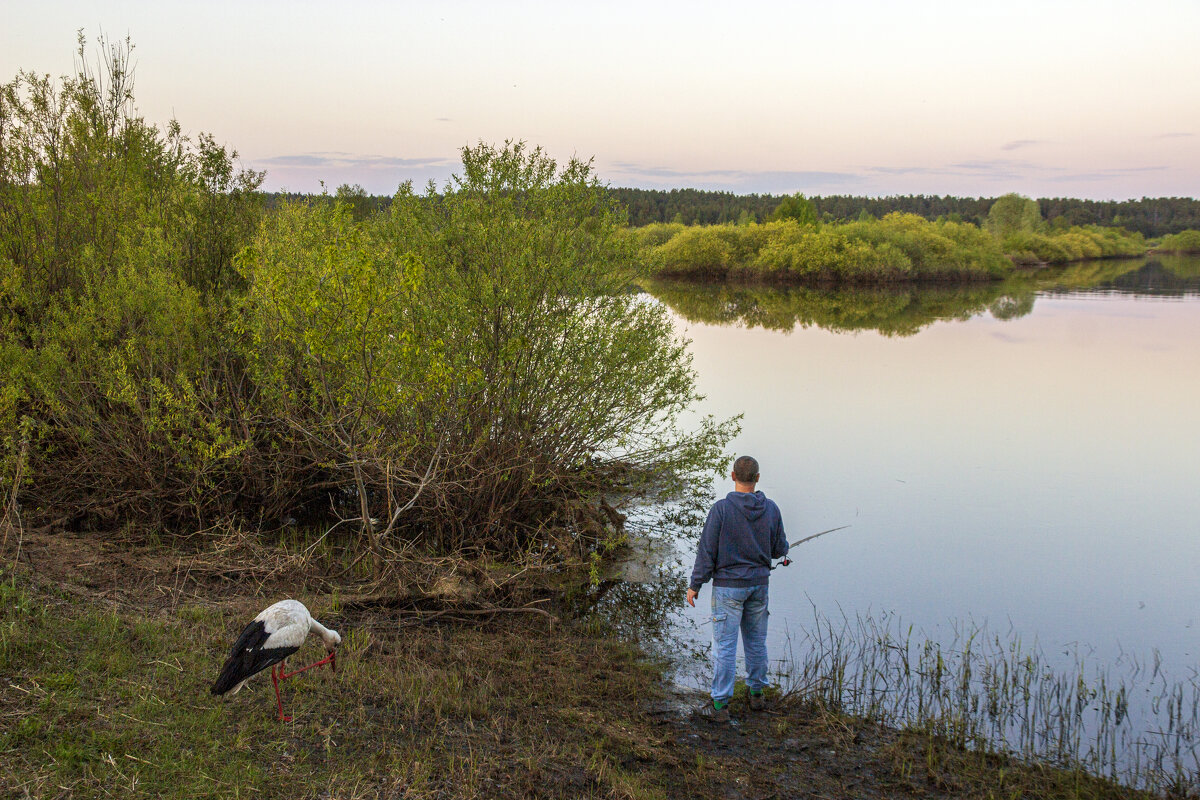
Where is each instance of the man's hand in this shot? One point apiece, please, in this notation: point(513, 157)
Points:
point(692, 595)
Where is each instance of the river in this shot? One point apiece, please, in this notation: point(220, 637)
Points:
point(1023, 457)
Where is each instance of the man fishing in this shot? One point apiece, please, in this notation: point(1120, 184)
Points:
point(742, 534)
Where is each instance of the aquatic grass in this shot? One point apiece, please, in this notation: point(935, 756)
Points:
point(1125, 720)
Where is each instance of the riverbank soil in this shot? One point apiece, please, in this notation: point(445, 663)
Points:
point(107, 651)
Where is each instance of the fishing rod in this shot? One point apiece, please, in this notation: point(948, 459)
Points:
point(785, 560)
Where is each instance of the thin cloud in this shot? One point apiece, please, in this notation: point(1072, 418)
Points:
point(1176, 135)
point(987, 168)
point(742, 181)
point(1104, 174)
point(906, 170)
point(339, 160)
point(1017, 144)
point(995, 166)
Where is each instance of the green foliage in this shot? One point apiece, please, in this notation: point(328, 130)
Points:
point(83, 178)
point(798, 209)
point(338, 348)
point(1183, 242)
point(895, 249)
point(128, 408)
point(1072, 244)
point(116, 245)
point(1013, 214)
point(468, 366)
point(559, 376)
point(361, 204)
point(1150, 216)
point(898, 248)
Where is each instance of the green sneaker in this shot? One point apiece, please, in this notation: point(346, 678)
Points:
point(711, 713)
point(757, 701)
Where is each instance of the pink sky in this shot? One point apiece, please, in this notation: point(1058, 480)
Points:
point(1051, 98)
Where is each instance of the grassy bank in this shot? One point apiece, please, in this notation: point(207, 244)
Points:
point(900, 248)
point(103, 692)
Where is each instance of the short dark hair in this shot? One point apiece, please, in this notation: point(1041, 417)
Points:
point(745, 470)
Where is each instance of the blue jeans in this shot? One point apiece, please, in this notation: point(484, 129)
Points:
point(734, 609)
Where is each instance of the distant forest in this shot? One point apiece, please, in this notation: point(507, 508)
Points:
point(1151, 216)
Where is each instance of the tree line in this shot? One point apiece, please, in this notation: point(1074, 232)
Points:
point(1149, 216)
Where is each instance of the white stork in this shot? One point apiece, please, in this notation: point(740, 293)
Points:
point(274, 635)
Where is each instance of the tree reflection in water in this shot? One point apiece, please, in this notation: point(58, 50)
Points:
point(904, 311)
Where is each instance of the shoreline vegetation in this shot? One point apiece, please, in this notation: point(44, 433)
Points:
point(463, 373)
point(1184, 242)
point(1150, 216)
point(899, 248)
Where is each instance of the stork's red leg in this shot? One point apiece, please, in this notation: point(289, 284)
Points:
point(278, 699)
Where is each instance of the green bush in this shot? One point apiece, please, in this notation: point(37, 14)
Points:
point(467, 366)
point(900, 247)
point(130, 418)
point(1013, 214)
point(1073, 244)
point(116, 245)
point(342, 355)
point(558, 378)
point(655, 234)
point(1183, 242)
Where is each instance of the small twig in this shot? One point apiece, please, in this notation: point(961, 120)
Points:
point(437, 454)
point(144, 722)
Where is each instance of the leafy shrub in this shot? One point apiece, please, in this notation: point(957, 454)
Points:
point(341, 355)
point(1183, 242)
point(116, 244)
point(558, 379)
point(1073, 244)
point(129, 414)
point(900, 247)
point(1013, 214)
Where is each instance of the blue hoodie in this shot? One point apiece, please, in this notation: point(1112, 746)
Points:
point(742, 534)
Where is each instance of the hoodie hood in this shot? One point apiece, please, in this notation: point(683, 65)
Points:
point(751, 504)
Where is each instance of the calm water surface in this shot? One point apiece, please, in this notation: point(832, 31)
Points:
point(1025, 456)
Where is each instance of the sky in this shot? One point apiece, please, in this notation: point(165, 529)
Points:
point(1049, 99)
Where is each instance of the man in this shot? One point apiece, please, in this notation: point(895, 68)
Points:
point(741, 536)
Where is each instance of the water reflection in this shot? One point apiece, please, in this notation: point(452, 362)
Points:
point(905, 311)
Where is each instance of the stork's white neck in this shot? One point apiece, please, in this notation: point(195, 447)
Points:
point(330, 638)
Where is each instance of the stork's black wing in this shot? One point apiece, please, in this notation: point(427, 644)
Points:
point(248, 656)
